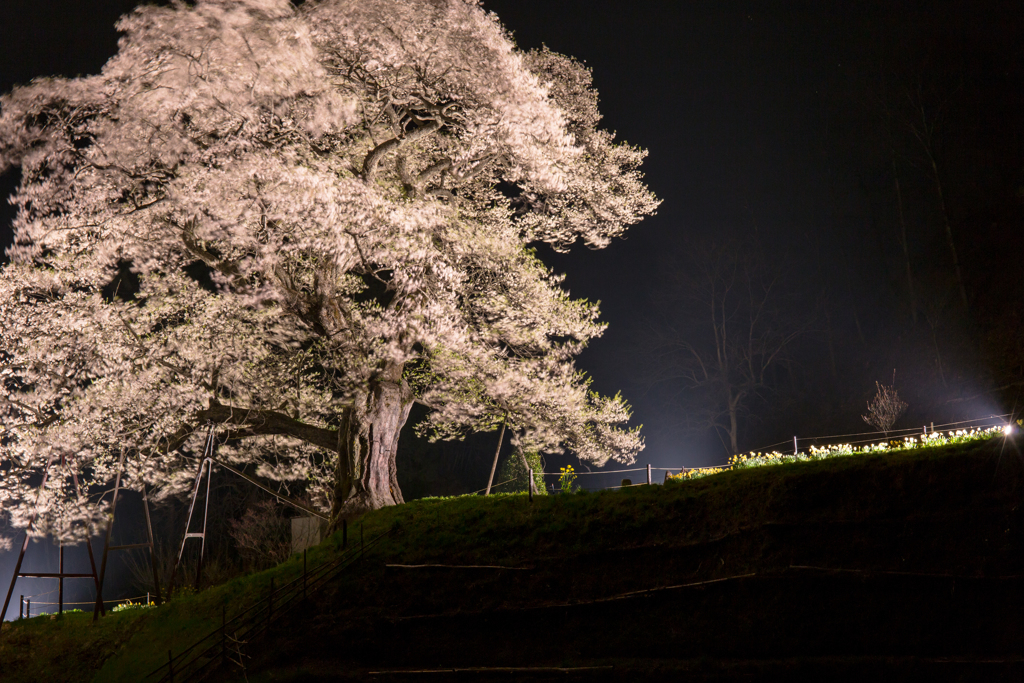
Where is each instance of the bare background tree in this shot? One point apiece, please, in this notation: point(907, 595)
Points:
point(723, 334)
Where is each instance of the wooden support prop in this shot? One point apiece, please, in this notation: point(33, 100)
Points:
point(497, 452)
point(106, 542)
point(127, 546)
point(648, 474)
point(205, 465)
point(60, 575)
point(152, 545)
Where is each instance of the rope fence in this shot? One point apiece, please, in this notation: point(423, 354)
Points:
point(876, 436)
point(931, 427)
point(25, 604)
point(808, 441)
point(90, 602)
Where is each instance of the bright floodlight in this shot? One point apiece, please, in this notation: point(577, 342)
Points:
point(1008, 429)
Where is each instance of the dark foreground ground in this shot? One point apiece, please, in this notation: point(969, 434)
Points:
point(910, 569)
point(899, 567)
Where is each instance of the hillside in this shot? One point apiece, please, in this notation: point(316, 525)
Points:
point(903, 566)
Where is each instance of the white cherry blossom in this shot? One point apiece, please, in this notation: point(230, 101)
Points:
point(329, 213)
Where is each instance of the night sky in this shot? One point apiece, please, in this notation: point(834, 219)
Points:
point(765, 124)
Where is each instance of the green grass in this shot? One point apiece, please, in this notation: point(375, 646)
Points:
point(69, 647)
point(507, 529)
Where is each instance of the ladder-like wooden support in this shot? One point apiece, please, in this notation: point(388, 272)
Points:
point(107, 547)
point(60, 574)
point(205, 465)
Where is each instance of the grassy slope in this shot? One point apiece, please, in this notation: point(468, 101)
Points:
point(66, 648)
point(945, 510)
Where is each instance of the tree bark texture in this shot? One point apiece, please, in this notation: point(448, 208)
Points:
point(367, 476)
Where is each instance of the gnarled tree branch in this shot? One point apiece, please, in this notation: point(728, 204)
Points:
point(252, 422)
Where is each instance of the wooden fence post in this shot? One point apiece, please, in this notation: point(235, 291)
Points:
point(270, 604)
point(648, 474)
point(60, 582)
point(223, 633)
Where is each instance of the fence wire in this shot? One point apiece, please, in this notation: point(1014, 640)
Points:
point(823, 441)
point(90, 602)
point(886, 436)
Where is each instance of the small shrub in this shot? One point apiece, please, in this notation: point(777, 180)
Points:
point(514, 478)
point(262, 536)
point(885, 408)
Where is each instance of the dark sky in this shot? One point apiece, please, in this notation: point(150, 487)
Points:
point(762, 122)
point(745, 108)
point(751, 111)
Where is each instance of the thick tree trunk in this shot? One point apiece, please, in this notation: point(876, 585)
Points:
point(367, 477)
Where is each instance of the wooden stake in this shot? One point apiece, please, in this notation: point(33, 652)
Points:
point(497, 452)
point(60, 582)
point(223, 632)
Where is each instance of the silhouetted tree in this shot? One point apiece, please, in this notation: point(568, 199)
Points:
point(722, 330)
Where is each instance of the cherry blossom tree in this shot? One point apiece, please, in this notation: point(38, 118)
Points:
point(327, 213)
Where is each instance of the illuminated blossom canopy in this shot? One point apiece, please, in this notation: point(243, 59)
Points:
point(287, 225)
